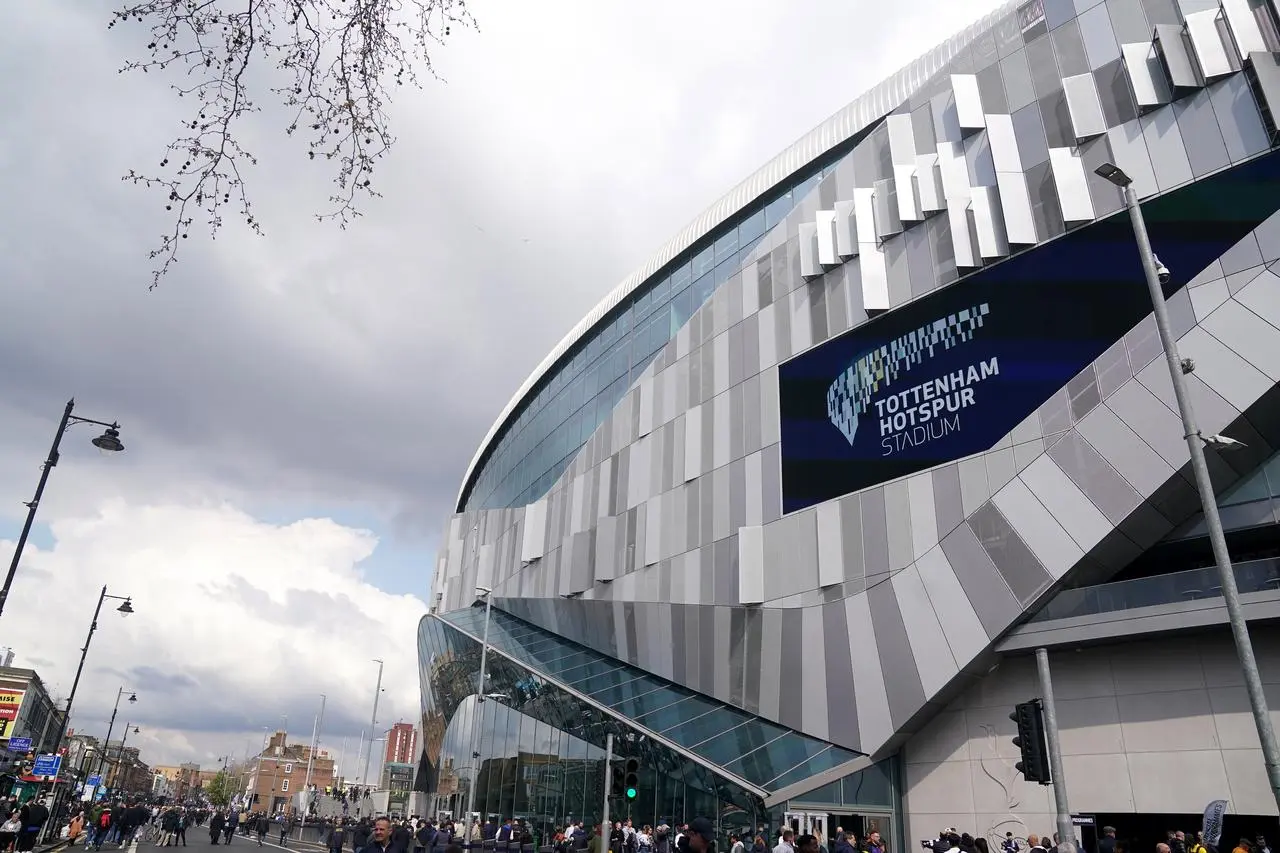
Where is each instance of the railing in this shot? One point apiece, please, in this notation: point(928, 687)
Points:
point(1190, 585)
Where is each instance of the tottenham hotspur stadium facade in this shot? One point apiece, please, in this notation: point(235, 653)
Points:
point(788, 512)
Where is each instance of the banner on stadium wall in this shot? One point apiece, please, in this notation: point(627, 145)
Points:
point(952, 372)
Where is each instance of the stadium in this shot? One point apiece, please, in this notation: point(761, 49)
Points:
point(786, 515)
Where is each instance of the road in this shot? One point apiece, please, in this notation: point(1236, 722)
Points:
point(198, 837)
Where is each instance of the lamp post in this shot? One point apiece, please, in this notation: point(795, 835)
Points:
point(120, 752)
point(377, 692)
point(311, 758)
point(125, 608)
point(133, 697)
point(487, 595)
point(1155, 272)
point(108, 442)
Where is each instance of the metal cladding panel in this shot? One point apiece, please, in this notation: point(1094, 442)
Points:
point(961, 239)
point(846, 230)
point(1215, 57)
point(1004, 143)
point(1180, 63)
point(1266, 69)
point(875, 279)
point(988, 221)
point(969, 112)
point(1015, 203)
point(1245, 32)
point(1146, 76)
point(954, 172)
point(809, 266)
point(929, 181)
point(871, 261)
point(904, 178)
point(826, 229)
point(1073, 184)
point(865, 216)
point(1084, 106)
point(885, 208)
point(534, 542)
point(902, 139)
point(750, 565)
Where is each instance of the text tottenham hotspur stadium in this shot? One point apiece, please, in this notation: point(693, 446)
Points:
point(920, 413)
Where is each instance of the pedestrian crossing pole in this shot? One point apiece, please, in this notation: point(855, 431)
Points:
point(608, 783)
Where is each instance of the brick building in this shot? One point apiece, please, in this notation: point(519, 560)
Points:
point(402, 744)
point(279, 773)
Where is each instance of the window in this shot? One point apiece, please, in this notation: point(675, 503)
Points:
point(288, 768)
point(284, 783)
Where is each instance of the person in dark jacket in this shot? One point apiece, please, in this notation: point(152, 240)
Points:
point(263, 826)
point(216, 825)
point(33, 816)
point(402, 836)
point(337, 838)
point(360, 836)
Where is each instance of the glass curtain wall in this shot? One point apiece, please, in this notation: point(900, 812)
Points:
point(542, 750)
point(575, 397)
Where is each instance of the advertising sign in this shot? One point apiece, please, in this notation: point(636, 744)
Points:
point(10, 704)
point(954, 371)
point(19, 744)
point(937, 380)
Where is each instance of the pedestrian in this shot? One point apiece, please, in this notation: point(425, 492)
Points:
point(180, 831)
point(33, 816)
point(286, 827)
point(229, 826)
point(263, 826)
point(216, 825)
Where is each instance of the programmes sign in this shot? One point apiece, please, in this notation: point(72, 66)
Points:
point(10, 705)
point(942, 378)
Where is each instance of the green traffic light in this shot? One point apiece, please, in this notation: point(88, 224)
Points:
point(631, 793)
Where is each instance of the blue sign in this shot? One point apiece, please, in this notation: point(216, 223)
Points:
point(19, 744)
point(47, 765)
point(93, 781)
point(953, 372)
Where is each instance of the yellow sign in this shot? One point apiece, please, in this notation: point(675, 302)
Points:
point(10, 704)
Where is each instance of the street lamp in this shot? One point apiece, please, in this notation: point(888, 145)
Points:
point(108, 442)
point(125, 608)
point(120, 752)
point(1157, 274)
point(377, 692)
point(487, 594)
point(133, 697)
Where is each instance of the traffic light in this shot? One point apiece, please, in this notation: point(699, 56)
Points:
point(615, 781)
point(631, 784)
point(1030, 741)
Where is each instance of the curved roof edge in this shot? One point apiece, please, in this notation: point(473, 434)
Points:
point(852, 119)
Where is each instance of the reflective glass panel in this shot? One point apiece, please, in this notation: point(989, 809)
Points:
point(750, 748)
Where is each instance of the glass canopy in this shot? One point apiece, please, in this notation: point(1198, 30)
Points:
point(761, 753)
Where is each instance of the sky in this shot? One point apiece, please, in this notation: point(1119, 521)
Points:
point(298, 409)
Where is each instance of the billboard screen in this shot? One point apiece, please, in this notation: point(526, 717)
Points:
point(951, 373)
point(939, 379)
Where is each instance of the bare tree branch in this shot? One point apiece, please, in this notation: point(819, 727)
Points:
point(332, 64)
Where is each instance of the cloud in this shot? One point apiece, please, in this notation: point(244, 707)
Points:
point(316, 374)
point(237, 624)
